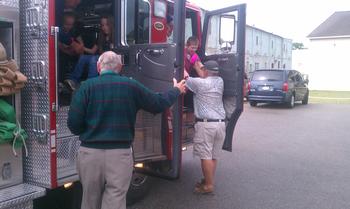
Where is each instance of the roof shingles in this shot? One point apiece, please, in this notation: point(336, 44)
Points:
point(338, 24)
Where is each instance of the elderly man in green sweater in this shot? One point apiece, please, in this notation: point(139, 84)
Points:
point(103, 112)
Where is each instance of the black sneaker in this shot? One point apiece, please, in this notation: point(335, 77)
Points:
point(71, 84)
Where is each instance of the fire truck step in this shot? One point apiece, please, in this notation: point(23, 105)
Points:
point(19, 194)
point(150, 158)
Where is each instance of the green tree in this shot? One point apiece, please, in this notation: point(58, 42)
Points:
point(297, 46)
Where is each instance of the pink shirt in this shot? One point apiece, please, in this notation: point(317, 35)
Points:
point(190, 61)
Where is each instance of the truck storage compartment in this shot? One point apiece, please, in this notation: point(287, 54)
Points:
point(10, 166)
point(13, 192)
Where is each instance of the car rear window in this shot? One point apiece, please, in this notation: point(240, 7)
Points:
point(267, 76)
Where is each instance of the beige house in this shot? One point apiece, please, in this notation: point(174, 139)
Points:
point(327, 59)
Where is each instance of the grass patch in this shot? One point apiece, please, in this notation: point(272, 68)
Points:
point(329, 97)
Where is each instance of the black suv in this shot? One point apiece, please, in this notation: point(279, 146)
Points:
point(281, 86)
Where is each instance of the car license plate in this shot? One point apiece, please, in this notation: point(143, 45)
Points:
point(265, 88)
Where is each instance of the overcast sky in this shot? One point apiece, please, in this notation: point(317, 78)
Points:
point(293, 19)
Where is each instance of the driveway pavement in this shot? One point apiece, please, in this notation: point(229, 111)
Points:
point(282, 159)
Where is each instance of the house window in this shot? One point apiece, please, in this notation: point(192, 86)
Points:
point(256, 66)
point(272, 44)
point(284, 66)
point(272, 65)
point(279, 64)
point(257, 40)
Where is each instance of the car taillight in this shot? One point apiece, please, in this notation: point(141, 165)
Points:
point(285, 87)
point(248, 86)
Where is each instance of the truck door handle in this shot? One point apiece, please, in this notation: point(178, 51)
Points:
point(137, 57)
point(155, 52)
point(224, 59)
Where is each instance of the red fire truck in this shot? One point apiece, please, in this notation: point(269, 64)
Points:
point(29, 32)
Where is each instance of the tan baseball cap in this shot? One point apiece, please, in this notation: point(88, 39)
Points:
point(3, 55)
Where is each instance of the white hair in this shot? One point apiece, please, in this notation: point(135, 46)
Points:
point(110, 61)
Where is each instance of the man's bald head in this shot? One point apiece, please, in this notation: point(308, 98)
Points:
point(109, 61)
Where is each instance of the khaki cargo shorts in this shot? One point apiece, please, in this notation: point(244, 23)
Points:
point(208, 139)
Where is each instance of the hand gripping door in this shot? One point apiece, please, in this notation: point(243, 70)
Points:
point(224, 41)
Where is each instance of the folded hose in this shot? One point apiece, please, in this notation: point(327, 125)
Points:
point(10, 129)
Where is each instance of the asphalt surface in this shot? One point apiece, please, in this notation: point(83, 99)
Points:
point(282, 159)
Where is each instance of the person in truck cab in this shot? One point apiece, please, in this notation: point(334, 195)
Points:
point(192, 61)
point(70, 44)
point(210, 122)
point(65, 6)
point(103, 43)
point(103, 113)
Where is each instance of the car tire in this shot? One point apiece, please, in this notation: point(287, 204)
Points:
point(139, 186)
point(305, 100)
point(253, 104)
point(291, 102)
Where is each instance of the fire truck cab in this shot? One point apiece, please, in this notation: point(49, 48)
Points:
point(152, 54)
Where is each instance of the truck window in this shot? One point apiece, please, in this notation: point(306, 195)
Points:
point(137, 22)
point(190, 24)
point(268, 75)
point(221, 33)
point(298, 78)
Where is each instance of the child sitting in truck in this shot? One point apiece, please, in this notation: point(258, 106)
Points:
point(70, 44)
point(103, 43)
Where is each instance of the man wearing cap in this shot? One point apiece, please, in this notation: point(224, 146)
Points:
point(210, 125)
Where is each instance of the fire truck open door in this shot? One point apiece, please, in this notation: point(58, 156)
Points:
point(224, 41)
point(157, 141)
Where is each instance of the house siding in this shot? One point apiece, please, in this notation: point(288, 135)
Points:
point(326, 61)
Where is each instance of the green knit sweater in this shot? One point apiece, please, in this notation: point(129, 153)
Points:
point(103, 110)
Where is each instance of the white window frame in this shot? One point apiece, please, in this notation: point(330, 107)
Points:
point(123, 40)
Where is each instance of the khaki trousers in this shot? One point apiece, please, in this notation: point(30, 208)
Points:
point(105, 175)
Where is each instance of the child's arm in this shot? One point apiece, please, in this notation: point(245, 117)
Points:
point(197, 65)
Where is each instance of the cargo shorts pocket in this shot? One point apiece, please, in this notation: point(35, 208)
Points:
point(198, 134)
